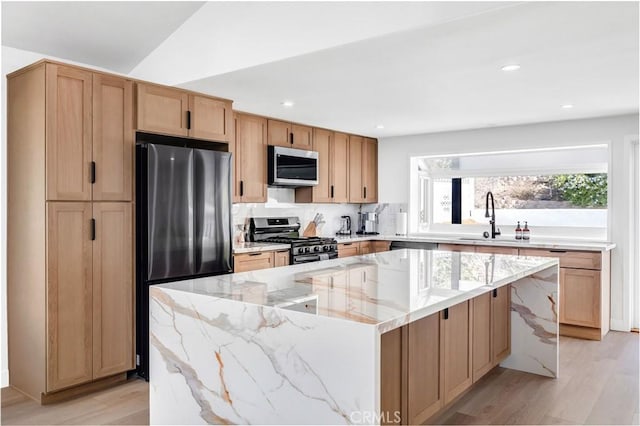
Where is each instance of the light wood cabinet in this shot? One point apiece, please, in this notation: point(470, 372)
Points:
point(356, 184)
point(333, 176)
point(211, 118)
point(113, 138)
point(162, 110)
point(380, 246)
point(457, 247)
point(426, 368)
point(366, 247)
point(69, 295)
point(175, 112)
point(253, 261)
point(348, 249)
point(112, 289)
point(250, 152)
point(370, 170)
point(513, 251)
point(391, 375)
point(585, 285)
point(457, 341)
point(281, 258)
point(79, 246)
point(500, 323)
point(289, 135)
point(68, 133)
point(482, 349)
point(580, 297)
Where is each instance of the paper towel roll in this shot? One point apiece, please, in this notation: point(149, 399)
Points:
point(401, 223)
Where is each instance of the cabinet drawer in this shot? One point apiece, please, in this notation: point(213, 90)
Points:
point(348, 249)
point(380, 246)
point(569, 259)
point(456, 247)
point(252, 261)
point(366, 247)
point(497, 250)
point(281, 258)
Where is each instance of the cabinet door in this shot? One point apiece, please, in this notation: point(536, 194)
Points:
point(365, 247)
point(279, 133)
point(281, 258)
point(322, 140)
point(112, 289)
point(348, 249)
point(481, 353)
point(501, 323)
point(162, 110)
point(370, 170)
point(113, 136)
point(580, 297)
point(252, 261)
point(356, 189)
point(68, 133)
point(302, 137)
point(340, 167)
point(457, 247)
point(457, 350)
point(251, 158)
point(69, 288)
point(380, 246)
point(424, 366)
point(391, 380)
point(210, 118)
point(497, 250)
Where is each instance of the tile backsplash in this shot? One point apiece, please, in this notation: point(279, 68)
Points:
point(281, 203)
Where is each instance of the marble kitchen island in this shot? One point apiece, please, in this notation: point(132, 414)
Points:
point(309, 344)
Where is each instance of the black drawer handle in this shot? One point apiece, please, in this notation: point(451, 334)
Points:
point(93, 229)
point(365, 192)
point(557, 251)
point(331, 191)
point(347, 244)
point(241, 188)
point(446, 313)
point(188, 119)
point(93, 172)
point(495, 292)
point(291, 138)
point(255, 254)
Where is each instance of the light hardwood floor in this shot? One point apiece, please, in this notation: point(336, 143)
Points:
point(598, 384)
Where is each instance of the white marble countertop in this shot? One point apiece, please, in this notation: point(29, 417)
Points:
point(251, 247)
point(542, 243)
point(387, 290)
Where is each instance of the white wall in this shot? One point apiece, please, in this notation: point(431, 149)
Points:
point(617, 132)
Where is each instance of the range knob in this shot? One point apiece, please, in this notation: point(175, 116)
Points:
point(325, 248)
point(316, 248)
point(300, 250)
point(307, 250)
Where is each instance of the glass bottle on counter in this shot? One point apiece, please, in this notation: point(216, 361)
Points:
point(526, 232)
point(518, 232)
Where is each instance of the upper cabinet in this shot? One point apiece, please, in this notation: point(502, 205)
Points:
point(290, 135)
point(178, 113)
point(363, 170)
point(333, 177)
point(89, 136)
point(250, 156)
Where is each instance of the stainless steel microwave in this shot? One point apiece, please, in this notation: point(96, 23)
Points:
point(292, 167)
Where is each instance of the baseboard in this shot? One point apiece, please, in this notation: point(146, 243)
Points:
point(619, 325)
point(5, 378)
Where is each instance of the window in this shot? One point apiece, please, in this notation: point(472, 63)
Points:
point(565, 187)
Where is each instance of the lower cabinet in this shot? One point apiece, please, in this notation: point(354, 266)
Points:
point(427, 364)
point(89, 292)
point(348, 249)
point(362, 247)
point(254, 261)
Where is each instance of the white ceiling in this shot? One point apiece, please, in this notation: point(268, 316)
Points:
point(413, 66)
point(111, 35)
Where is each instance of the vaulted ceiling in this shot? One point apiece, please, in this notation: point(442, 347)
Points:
point(411, 67)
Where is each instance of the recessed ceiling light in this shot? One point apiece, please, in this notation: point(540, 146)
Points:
point(287, 104)
point(511, 67)
point(567, 106)
point(380, 126)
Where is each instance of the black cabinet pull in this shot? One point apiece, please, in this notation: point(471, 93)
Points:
point(365, 192)
point(188, 119)
point(291, 138)
point(346, 244)
point(495, 292)
point(93, 172)
point(93, 229)
point(331, 191)
point(255, 254)
point(446, 313)
point(557, 251)
point(241, 188)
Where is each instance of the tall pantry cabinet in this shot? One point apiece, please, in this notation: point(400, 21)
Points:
point(70, 229)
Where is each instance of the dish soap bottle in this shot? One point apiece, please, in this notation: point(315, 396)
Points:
point(525, 232)
point(518, 232)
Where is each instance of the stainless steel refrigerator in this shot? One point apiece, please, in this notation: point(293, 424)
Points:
point(183, 225)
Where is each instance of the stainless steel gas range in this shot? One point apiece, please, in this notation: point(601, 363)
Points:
point(285, 230)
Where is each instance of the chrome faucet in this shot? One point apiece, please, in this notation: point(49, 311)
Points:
point(494, 232)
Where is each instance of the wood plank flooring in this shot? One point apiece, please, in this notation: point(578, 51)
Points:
point(598, 384)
